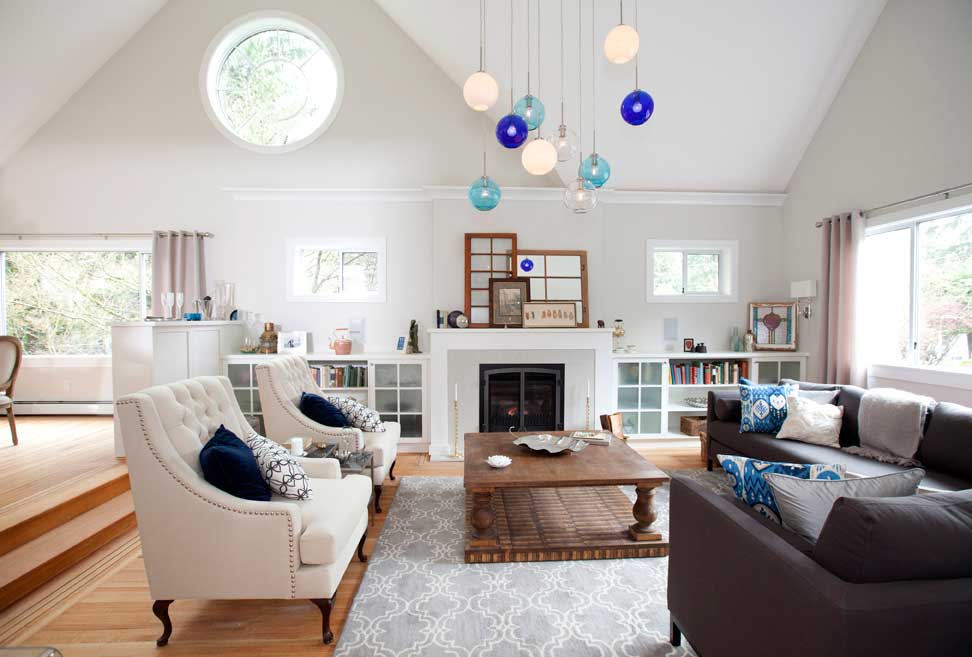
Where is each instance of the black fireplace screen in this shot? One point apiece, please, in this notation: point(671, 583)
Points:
point(521, 397)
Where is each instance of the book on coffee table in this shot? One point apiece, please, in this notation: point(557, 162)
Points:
point(593, 437)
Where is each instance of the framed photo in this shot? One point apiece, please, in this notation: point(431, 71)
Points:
point(506, 299)
point(774, 325)
point(401, 343)
point(546, 314)
point(292, 342)
point(688, 344)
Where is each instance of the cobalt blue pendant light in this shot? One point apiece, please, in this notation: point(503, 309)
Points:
point(638, 106)
point(530, 107)
point(594, 168)
point(512, 130)
point(484, 193)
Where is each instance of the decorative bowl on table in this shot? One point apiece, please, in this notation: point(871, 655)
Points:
point(499, 461)
point(545, 442)
point(696, 402)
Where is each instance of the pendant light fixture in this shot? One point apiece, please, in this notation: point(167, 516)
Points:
point(480, 90)
point(484, 193)
point(539, 157)
point(580, 197)
point(512, 130)
point(594, 168)
point(638, 106)
point(530, 107)
point(621, 43)
point(564, 141)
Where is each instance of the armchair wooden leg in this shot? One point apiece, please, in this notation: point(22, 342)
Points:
point(377, 499)
point(362, 557)
point(391, 470)
point(324, 604)
point(708, 465)
point(13, 424)
point(161, 611)
point(676, 636)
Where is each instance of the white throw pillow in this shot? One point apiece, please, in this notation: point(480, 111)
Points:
point(805, 503)
point(819, 396)
point(282, 472)
point(812, 422)
point(358, 415)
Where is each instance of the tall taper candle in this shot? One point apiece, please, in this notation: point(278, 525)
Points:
point(456, 396)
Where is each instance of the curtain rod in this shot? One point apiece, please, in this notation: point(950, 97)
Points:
point(942, 192)
point(98, 236)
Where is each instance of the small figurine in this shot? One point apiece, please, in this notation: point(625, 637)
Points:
point(413, 340)
point(700, 348)
point(600, 323)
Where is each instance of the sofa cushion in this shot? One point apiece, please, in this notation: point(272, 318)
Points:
point(726, 405)
point(804, 504)
point(792, 538)
point(812, 422)
point(898, 538)
point(850, 398)
point(321, 410)
point(229, 465)
point(947, 445)
point(763, 408)
point(331, 517)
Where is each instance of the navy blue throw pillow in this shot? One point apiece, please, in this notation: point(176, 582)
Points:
point(229, 465)
point(321, 411)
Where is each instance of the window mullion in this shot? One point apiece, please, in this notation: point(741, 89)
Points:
point(341, 269)
point(3, 293)
point(913, 356)
point(684, 272)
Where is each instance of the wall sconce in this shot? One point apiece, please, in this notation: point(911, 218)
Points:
point(804, 292)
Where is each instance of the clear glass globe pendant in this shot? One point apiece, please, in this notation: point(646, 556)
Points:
point(564, 142)
point(532, 111)
point(637, 107)
point(595, 170)
point(580, 197)
point(512, 131)
point(484, 194)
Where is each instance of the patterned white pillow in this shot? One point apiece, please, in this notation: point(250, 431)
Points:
point(810, 422)
point(283, 473)
point(358, 415)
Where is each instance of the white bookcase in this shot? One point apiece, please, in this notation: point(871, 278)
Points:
point(651, 406)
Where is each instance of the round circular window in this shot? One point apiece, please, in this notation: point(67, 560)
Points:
point(272, 83)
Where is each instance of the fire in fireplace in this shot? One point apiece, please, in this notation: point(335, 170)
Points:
point(521, 397)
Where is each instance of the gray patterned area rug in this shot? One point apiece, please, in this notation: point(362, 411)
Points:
point(418, 597)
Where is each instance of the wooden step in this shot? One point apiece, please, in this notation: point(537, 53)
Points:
point(24, 520)
point(29, 566)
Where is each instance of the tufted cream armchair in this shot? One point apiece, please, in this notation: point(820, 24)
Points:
point(281, 382)
point(199, 542)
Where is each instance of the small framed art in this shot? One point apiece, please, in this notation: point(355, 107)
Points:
point(688, 344)
point(546, 314)
point(506, 299)
point(292, 342)
point(774, 325)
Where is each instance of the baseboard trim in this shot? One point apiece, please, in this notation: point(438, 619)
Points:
point(63, 408)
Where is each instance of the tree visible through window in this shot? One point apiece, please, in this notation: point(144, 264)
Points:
point(684, 272)
point(352, 273)
point(64, 302)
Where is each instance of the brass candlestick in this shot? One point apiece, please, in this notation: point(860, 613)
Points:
point(587, 413)
point(456, 453)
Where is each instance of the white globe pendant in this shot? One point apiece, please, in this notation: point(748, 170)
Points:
point(480, 91)
point(539, 157)
point(621, 44)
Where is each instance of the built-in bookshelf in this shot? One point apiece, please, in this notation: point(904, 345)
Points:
point(653, 391)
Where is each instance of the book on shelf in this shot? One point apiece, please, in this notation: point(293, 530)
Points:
point(340, 376)
point(708, 372)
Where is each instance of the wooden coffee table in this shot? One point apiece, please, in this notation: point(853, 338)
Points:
point(557, 507)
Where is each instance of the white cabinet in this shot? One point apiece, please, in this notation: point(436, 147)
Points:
point(398, 393)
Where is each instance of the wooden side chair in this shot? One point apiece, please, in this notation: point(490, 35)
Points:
point(613, 424)
point(11, 353)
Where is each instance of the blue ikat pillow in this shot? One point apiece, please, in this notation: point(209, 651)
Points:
point(746, 478)
point(763, 407)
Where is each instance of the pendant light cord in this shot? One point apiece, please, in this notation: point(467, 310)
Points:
point(529, 62)
point(637, 54)
point(621, 12)
point(539, 53)
point(593, 83)
point(580, 92)
point(512, 41)
point(482, 35)
point(563, 76)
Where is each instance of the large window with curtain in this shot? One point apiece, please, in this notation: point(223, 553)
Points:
point(916, 291)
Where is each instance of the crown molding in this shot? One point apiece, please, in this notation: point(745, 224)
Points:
point(391, 195)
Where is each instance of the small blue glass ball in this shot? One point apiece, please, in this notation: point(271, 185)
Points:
point(595, 170)
point(637, 107)
point(484, 194)
point(532, 111)
point(526, 264)
point(512, 131)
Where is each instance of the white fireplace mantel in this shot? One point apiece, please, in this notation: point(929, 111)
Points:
point(444, 341)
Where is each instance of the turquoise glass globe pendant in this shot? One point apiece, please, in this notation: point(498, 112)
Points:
point(484, 194)
point(512, 131)
point(637, 107)
point(532, 111)
point(595, 170)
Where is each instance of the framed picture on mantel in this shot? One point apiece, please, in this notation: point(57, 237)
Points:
point(506, 299)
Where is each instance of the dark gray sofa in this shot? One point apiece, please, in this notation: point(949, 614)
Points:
point(945, 451)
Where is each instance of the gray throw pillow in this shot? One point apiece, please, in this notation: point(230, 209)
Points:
point(805, 503)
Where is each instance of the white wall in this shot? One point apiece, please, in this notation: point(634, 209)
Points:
point(898, 128)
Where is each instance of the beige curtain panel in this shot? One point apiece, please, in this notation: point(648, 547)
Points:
point(841, 237)
point(178, 265)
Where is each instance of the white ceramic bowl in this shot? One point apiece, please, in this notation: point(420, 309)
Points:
point(499, 461)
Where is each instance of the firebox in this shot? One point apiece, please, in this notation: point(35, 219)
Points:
point(521, 397)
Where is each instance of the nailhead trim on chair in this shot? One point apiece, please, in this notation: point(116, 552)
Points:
point(181, 482)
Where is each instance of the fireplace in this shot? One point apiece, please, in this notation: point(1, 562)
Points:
point(521, 397)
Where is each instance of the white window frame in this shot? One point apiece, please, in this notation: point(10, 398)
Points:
point(910, 220)
point(728, 251)
point(344, 244)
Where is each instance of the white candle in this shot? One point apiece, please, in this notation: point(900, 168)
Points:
point(588, 388)
point(456, 398)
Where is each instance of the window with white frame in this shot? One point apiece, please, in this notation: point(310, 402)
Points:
point(686, 271)
point(336, 270)
point(916, 291)
point(63, 300)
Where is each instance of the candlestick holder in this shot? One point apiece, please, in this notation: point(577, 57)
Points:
point(456, 451)
point(587, 413)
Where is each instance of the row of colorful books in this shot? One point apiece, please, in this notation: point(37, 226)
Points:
point(340, 376)
point(708, 372)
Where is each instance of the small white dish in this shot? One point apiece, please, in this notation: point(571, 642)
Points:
point(499, 461)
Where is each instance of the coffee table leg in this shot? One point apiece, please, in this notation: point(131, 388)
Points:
point(644, 513)
point(483, 517)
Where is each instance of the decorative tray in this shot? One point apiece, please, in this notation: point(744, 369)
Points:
point(544, 442)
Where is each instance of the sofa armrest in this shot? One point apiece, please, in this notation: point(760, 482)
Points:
point(723, 405)
point(320, 468)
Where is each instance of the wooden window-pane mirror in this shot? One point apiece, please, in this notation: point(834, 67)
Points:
point(488, 255)
point(557, 276)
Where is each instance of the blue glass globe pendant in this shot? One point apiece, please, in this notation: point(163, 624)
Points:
point(637, 107)
point(512, 131)
point(484, 194)
point(532, 111)
point(595, 170)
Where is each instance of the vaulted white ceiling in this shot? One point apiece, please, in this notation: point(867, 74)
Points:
point(739, 87)
point(49, 49)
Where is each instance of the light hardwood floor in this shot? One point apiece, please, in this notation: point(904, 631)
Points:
point(112, 616)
